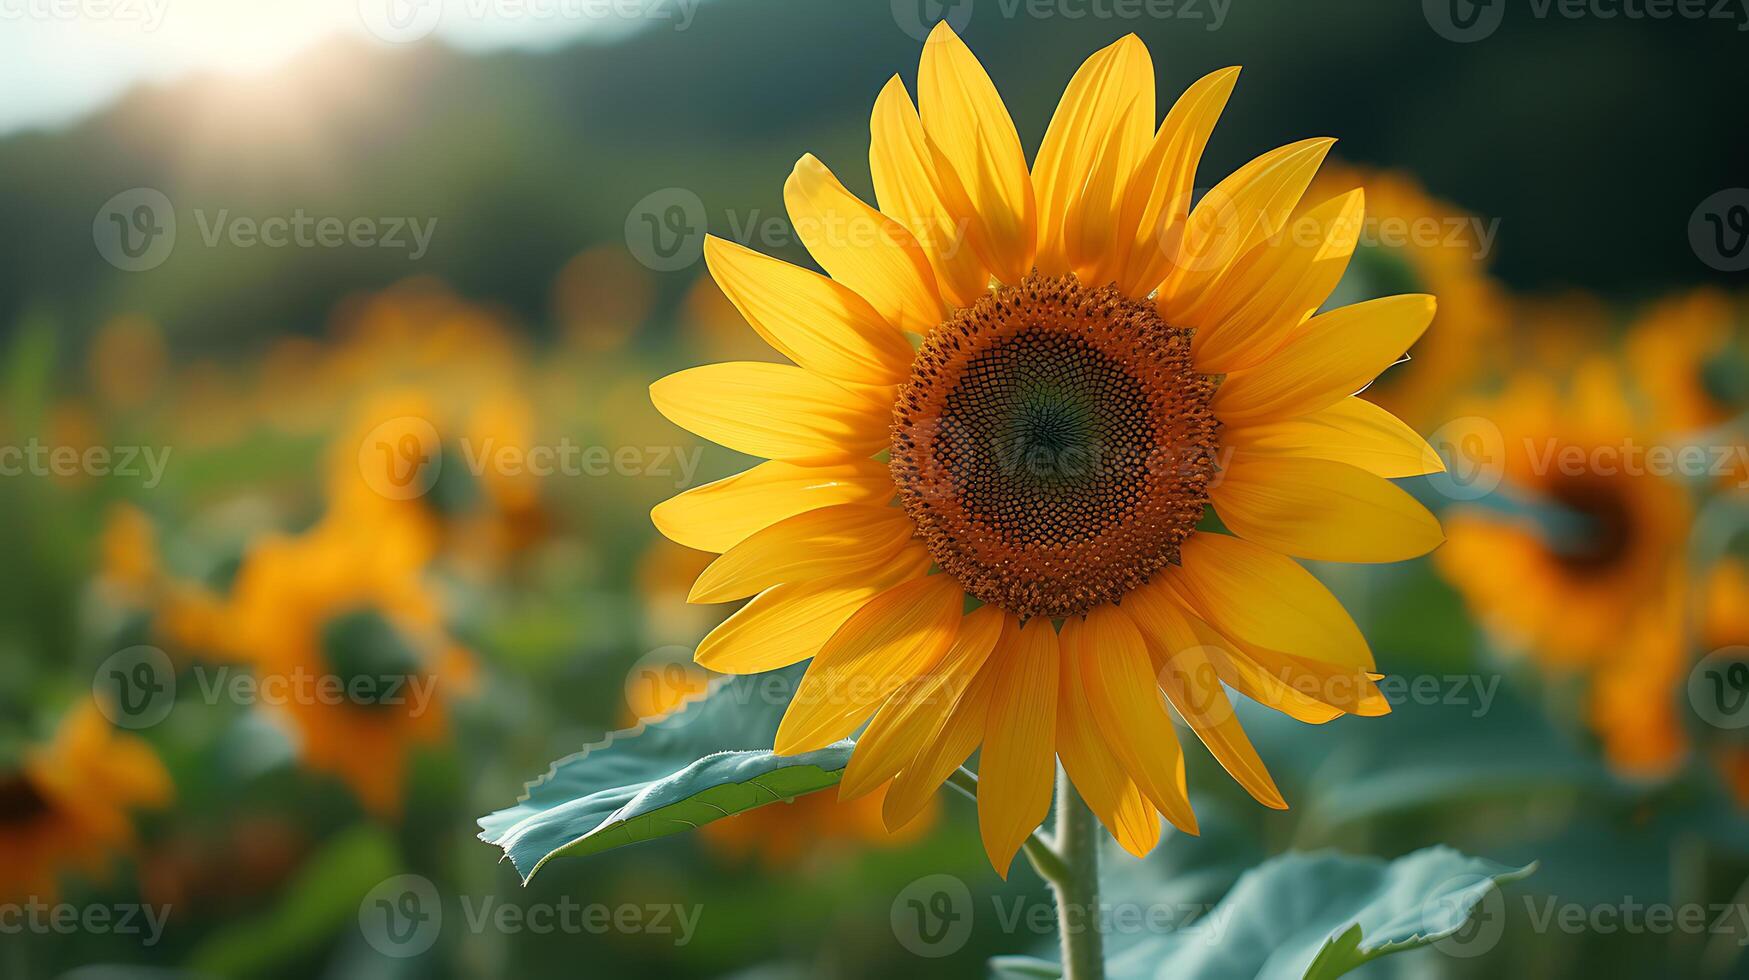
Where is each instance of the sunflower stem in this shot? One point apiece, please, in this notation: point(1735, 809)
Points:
point(1077, 889)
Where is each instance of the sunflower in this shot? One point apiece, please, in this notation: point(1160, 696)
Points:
point(811, 827)
point(1572, 585)
point(66, 804)
point(347, 638)
point(1013, 398)
point(1690, 355)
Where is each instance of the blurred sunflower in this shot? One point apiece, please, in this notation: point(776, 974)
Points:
point(1418, 242)
point(1724, 632)
point(65, 805)
point(1572, 585)
point(1589, 576)
point(457, 474)
point(1099, 363)
point(340, 624)
point(812, 826)
point(1690, 356)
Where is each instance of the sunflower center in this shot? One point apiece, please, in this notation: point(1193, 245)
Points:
point(369, 657)
point(20, 800)
point(1054, 445)
point(1606, 532)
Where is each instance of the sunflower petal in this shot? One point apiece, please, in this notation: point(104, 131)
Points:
point(952, 742)
point(862, 248)
point(1018, 764)
point(789, 623)
point(1253, 307)
point(904, 723)
point(1089, 151)
point(1125, 696)
point(963, 114)
point(1095, 771)
point(1157, 199)
point(775, 411)
point(1352, 431)
point(1236, 215)
point(898, 635)
point(1333, 355)
point(817, 322)
point(1260, 597)
point(720, 515)
point(924, 194)
point(1193, 685)
point(1307, 690)
point(1313, 508)
point(813, 545)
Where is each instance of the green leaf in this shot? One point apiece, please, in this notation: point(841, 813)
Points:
point(1318, 916)
point(710, 760)
point(1023, 968)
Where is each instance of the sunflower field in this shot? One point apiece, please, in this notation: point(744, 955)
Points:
point(760, 489)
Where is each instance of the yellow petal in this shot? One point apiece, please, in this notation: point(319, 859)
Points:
point(1352, 431)
point(964, 116)
point(960, 731)
point(1095, 771)
point(1313, 508)
point(862, 248)
point(814, 321)
point(1089, 151)
point(1193, 685)
point(923, 193)
point(816, 544)
point(1236, 215)
point(1308, 690)
point(899, 634)
point(1018, 764)
point(720, 515)
point(904, 723)
point(1333, 355)
point(1157, 200)
point(1248, 312)
point(1125, 696)
point(1257, 596)
point(789, 623)
point(775, 411)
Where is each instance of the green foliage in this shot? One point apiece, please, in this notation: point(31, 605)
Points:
point(1318, 916)
point(710, 760)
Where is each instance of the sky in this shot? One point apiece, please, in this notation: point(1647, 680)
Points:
point(61, 59)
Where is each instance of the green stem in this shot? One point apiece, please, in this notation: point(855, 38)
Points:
point(1077, 890)
point(1070, 863)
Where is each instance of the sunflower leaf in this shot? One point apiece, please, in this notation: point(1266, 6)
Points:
point(1318, 916)
point(709, 760)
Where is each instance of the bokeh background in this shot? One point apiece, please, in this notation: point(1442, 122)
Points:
point(206, 488)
